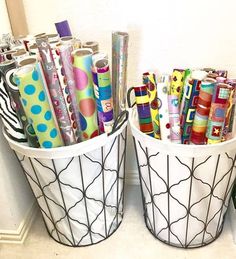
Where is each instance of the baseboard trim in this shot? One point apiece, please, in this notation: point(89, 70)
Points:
point(18, 236)
point(132, 177)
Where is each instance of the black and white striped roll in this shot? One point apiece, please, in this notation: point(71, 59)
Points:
point(9, 117)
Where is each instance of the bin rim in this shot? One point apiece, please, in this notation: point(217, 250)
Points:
point(65, 151)
point(175, 149)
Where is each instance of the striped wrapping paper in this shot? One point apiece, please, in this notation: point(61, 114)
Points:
point(198, 134)
point(149, 80)
point(143, 108)
point(189, 103)
point(217, 114)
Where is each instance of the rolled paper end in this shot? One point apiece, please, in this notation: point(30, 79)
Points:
point(27, 61)
point(92, 45)
point(82, 52)
point(24, 70)
point(39, 35)
point(63, 28)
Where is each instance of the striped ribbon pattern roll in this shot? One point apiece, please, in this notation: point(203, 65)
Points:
point(143, 108)
point(150, 81)
point(55, 91)
point(37, 107)
point(189, 101)
point(198, 134)
point(217, 114)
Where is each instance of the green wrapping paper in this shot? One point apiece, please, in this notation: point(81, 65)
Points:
point(82, 65)
point(36, 106)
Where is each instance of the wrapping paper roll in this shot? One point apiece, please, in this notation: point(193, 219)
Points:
point(150, 81)
point(20, 55)
point(8, 54)
point(9, 117)
point(119, 70)
point(63, 28)
point(82, 65)
point(143, 108)
point(222, 73)
point(7, 72)
point(27, 61)
point(229, 132)
point(103, 94)
point(33, 50)
point(53, 37)
point(221, 79)
point(4, 47)
point(69, 40)
point(93, 45)
point(36, 106)
point(217, 114)
point(173, 108)
point(162, 94)
point(212, 75)
point(66, 61)
point(190, 100)
point(65, 90)
point(177, 83)
point(55, 91)
point(198, 134)
point(2, 57)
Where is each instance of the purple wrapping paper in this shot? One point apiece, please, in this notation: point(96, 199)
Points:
point(63, 28)
point(55, 91)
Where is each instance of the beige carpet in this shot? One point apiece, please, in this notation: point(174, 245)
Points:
point(132, 241)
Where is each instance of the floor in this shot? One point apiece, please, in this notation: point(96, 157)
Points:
point(132, 240)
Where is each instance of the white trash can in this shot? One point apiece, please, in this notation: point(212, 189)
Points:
point(79, 188)
point(185, 188)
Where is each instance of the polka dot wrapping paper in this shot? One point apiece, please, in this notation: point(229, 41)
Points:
point(82, 65)
point(37, 107)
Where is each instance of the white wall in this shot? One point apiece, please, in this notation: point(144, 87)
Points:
point(5, 26)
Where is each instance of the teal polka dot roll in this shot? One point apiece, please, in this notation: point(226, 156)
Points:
point(36, 106)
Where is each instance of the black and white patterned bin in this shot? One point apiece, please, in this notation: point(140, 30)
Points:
point(79, 188)
point(185, 188)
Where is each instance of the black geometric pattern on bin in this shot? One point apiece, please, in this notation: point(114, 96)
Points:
point(116, 185)
point(147, 186)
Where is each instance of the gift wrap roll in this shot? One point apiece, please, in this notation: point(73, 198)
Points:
point(65, 90)
point(162, 94)
point(71, 41)
point(177, 82)
point(66, 61)
point(144, 111)
point(63, 28)
point(149, 80)
point(10, 120)
point(55, 91)
point(7, 72)
point(231, 110)
point(82, 65)
point(217, 114)
point(8, 54)
point(198, 134)
point(190, 100)
point(119, 70)
point(37, 107)
point(53, 37)
point(104, 97)
point(27, 61)
point(173, 108)
point(93, 45)
point(222, 73)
